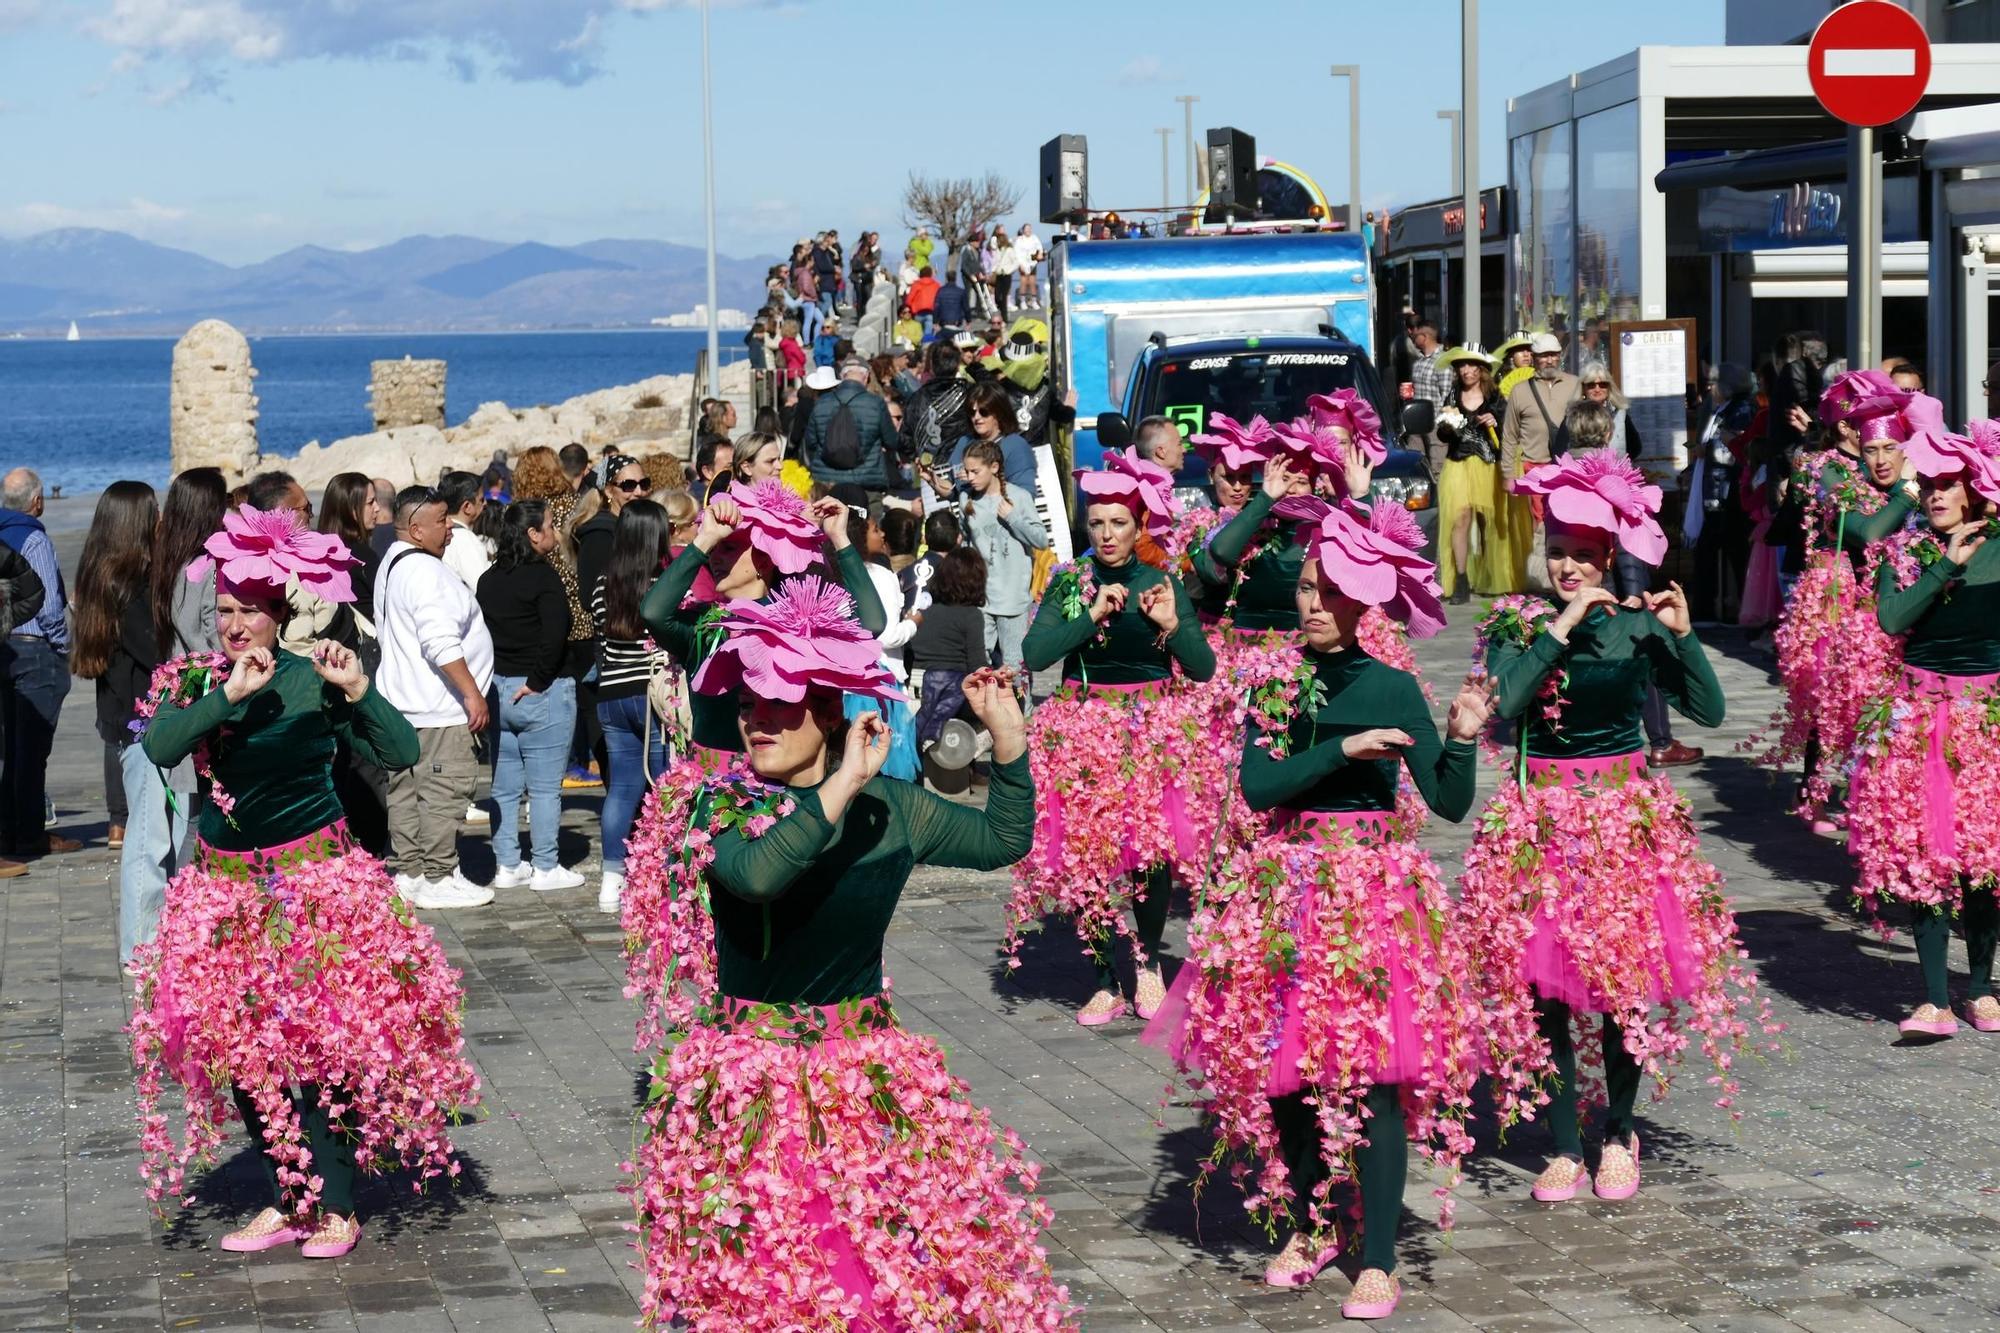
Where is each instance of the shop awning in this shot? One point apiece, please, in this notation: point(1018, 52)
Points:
point(1763, 166)
point(1959, 136)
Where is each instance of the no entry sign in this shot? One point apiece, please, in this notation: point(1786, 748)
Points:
point(1870, 62)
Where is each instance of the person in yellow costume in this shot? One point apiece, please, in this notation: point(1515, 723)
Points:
point(1476, 543)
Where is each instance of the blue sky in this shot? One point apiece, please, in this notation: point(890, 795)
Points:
point(240, 128)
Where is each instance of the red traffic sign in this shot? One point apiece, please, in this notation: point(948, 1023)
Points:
point(1870, 62)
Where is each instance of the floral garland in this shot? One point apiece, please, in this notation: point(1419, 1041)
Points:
point(1517, 620)
point(317, 973)
point(1910, 553)
point(1355, 942)
point(1190, 534)
point(178, 683)
point(670, 965)
point(844, 1183)
point(1074, 584)
point(1599, 867)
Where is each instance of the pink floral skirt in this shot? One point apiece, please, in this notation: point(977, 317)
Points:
point(1126, 779)
point(819, 1167)
point(669, 932)
point(1588, 886)
point(1924, 810)
point(298, 964)
point(1325, 960)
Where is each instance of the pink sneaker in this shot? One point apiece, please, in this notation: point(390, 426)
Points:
point(1983, 1013)
point(268, 1230)
point(1930, 1021)
point(1103, 1007)
point(1560, 1180)
point(1374, 1297)
point(335, 1237)
point(1825, 827)
point(1149, 992)
point(1618, 1171)
point(1299, 1262)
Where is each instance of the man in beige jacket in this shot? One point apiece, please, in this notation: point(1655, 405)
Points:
point(1535, 411)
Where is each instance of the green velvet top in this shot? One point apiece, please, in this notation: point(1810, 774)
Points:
point(1950, 617)
point(1130, 653)
point(673, 628)
point(1360, 694)
point(802, 910)
point(1609, 660)
point(1267, 586)
point(273, 753)
point(1860, 529)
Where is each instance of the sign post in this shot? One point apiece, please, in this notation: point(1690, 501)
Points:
point(1869, 62)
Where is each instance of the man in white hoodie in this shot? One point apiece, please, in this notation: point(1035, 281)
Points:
point(437, 662)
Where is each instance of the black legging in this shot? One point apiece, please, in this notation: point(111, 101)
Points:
point(1149, 915)
point(332, 1149)
point(1621, 1080)
point(1001, 282)
point(1380, 1166)
point(1980, 918)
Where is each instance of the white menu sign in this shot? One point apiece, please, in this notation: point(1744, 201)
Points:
point(1652, 373)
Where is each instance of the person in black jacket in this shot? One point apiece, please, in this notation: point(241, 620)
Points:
point(872, 463)
point(113, 643)
point(532, 702)
point(939, 415)
point(1800, 359)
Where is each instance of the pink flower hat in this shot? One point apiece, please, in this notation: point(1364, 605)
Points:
point(1603, 490)
point(804, 637)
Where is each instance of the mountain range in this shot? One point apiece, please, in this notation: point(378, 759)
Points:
point(110, 282)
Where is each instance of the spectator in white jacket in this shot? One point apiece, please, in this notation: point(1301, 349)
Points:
point(437, 663)
point(1002, 525)
point(467, 554)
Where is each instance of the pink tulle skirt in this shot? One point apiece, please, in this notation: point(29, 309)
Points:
point(1760, 604)
point(297, 964)
point(1924, 809)
point(819, 1167)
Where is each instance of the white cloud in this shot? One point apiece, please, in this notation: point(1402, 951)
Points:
point(556, 40)
point(139, 216)
point(1146, 69)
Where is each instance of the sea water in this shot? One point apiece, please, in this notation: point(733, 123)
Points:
point(84, 414)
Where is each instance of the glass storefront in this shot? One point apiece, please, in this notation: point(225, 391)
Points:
point(1607, 224)
point(1544, 258)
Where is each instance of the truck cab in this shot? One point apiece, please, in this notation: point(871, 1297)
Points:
point(1186, 380)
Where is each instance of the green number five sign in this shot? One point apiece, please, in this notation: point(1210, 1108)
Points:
point(1187, 416)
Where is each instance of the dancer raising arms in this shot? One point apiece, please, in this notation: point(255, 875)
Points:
point(1585, 891)
point(1309, 1060)
point(289, 975)
point(1123, 751)
point(1924, 818)
point(807, 1162)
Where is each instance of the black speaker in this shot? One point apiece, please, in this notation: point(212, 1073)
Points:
point(1232, 175)
point(1065, 178)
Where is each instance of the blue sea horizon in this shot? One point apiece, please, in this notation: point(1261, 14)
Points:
point(85, 414)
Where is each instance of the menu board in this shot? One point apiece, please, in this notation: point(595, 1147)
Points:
point(1653, 362)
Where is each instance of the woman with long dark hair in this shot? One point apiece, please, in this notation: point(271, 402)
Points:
point(363, 786)
point(533, 701)
point(343, 511)
point(183, 608)
point(635, 740)
point(113, 642)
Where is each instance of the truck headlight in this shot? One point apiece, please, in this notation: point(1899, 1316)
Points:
point(1412, 493)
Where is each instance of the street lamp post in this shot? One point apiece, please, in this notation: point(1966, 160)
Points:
point(1352, 73)
point(708, 201)
point(1166, 193)
point(1187, 101)
point(1468, 185)
point(1457, 180)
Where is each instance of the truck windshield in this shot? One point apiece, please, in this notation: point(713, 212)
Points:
point(1274, 384)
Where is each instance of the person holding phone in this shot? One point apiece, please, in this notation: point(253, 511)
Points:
point(1280, 1048)
point(1585, 891)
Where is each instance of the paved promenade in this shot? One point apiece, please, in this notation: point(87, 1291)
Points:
point(1860, 1194)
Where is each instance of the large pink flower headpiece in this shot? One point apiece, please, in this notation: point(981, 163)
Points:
point(259, 552)
point(1235, 445)
point(1346, 410)
point(803, 637)
point(777, 523)
point(1848, 391)
point(1144, 487)
point(1604, 490)
point(1370, 558)
point(1937, 453)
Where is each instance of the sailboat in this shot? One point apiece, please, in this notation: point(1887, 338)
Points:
point(74, 335)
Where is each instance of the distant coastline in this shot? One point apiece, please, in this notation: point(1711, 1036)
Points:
point(61, 334)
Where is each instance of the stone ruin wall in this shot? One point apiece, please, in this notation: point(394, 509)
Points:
point(213, 402)
point(406, 393)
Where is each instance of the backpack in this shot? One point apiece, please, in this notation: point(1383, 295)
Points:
point(840, 446)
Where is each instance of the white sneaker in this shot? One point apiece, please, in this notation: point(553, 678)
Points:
point(514, 876)
point(408, 885)
point(451, 891)
point(562, 877)
point(476, 814)
point(612, 889)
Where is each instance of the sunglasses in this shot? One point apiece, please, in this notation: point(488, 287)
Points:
point(1597, 384)
point(631, 484)
point(977, 413)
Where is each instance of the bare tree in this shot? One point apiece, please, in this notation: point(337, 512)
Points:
point(957, 208)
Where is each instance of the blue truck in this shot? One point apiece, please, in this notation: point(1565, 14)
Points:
point(1242, 324)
